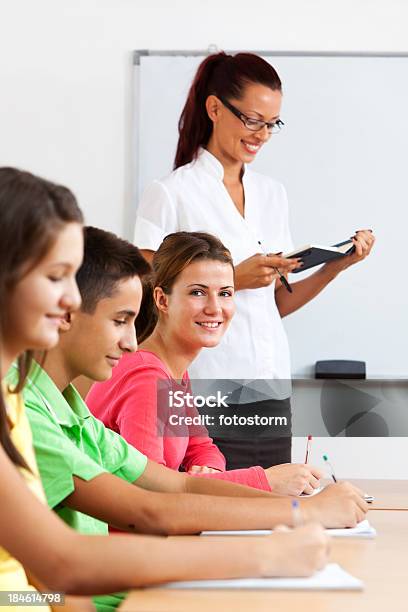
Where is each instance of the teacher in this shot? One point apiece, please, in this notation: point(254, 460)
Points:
point(232, 109)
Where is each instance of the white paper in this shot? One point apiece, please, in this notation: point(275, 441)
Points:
point(315, 492)
point(368, 498)
point(331, 577)
point(244, 532)
point(362, 530)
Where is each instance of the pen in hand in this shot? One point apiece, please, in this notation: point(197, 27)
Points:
point(368, 498)
point(283, 281)
point(296, 513)
point(308, 445)
point(331, 468)
point(281, 277)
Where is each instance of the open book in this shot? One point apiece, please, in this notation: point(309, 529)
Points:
point(316, 254)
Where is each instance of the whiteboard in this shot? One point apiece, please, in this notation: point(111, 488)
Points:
point(342, 157)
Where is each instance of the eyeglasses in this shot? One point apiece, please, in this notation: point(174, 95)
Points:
point(255, 125)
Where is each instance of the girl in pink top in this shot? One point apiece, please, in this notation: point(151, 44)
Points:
point(187, 306)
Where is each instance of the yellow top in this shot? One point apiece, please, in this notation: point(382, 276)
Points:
point(12, 574)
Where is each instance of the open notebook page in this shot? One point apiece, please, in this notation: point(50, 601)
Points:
point(362, 530)
point(332, 577)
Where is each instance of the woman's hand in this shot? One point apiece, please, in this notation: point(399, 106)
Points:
point(363, 242)
point(202, 469)
point(293, 478)
point(260, 270)
point(296, 552)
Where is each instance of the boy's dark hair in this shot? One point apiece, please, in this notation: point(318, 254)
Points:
point(107, 260)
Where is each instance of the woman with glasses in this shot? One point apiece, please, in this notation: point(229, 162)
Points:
point(232, 109)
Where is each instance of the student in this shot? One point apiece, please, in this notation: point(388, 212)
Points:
point(40, 250)
point(187, 306)
point(89, 471)
point(231, 111)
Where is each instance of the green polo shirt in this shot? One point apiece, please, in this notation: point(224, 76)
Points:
point(69, 441)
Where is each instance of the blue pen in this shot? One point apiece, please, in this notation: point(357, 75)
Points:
point(296, 513)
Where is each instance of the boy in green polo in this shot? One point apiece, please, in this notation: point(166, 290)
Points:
point(88, 470)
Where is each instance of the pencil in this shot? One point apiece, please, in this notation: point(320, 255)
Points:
point(308, 445)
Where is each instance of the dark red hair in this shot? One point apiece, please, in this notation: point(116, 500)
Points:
point(224, 76)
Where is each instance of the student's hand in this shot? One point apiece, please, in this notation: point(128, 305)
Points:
point(337, 506)
point(258, 271)
point(296, 552)
point(202, 469)
point(293, 478)
point(363, 242)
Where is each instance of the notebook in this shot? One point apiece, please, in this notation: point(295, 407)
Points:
point(332, 577)
point(315, 492)
point(361, 530)
point(368, 498)
point(316, 254)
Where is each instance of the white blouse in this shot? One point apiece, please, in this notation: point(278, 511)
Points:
point(194, 198)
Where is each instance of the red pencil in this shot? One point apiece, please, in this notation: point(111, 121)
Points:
point(309, 442)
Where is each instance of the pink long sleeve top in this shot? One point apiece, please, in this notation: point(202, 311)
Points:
point(127, 404)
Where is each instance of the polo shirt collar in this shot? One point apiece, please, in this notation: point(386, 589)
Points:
point(68, 407)
point(210, 163)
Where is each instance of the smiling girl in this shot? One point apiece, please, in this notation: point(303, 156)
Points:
point(187, 307)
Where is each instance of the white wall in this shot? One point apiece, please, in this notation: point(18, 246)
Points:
point(356, 457)
point(65, 73)
point(65, 96)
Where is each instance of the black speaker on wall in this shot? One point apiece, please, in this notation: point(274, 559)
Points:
point(340, 368)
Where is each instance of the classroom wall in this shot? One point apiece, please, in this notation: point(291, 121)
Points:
point(65, 92)
point(65, 72)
